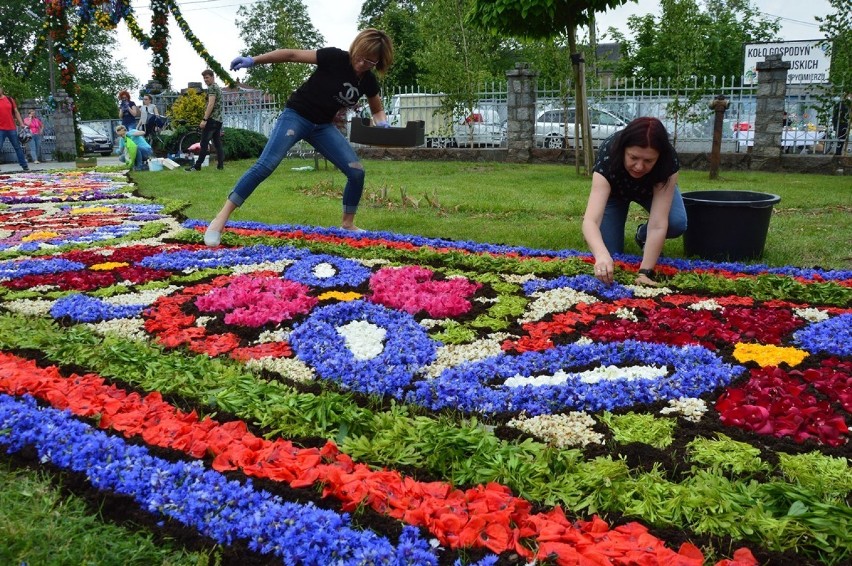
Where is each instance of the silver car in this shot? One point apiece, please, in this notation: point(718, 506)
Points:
point(94, 141)
point(551, 131)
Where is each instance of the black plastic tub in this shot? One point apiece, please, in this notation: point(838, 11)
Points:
point(413, 134)
point(727, 225)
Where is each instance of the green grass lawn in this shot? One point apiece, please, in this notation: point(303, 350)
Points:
point(40, 524)
point(538, 206)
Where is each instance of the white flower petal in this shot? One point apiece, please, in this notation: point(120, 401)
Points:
point(364, 339)
point(603, 373)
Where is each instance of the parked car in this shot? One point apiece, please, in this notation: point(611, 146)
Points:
point(481, 128)
point(94, 141)
point(550, 130)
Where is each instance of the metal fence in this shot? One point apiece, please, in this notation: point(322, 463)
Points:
point(684, 109)
point(48, 140)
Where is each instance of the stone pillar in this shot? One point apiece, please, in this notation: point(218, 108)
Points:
point(63, 125)
point(520, 135)
point(771, 90)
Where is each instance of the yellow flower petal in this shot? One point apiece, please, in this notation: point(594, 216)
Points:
point(42, 235)
point(91, 210)
point(768, 355)
point(106, 266)
point(340, 296)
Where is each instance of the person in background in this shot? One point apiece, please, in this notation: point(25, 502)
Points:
point(841, 123)
point(143, 148)
point(36, 128)
point(211, 124)
point(9, 117)
point(636, 164)
point(339, 80)
point(128, 112)
point(148, 116)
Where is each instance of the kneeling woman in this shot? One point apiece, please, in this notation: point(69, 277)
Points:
point(636, 164)
point(339, 81)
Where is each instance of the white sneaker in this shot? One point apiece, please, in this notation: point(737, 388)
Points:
point(36, 162)
point(212, 238)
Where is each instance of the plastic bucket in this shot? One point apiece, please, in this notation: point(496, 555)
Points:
point(727, 225)
point(155, 165)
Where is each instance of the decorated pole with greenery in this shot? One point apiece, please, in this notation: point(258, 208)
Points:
point(107, 14)
point(544, 19)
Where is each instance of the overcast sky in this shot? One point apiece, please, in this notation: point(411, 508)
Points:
point(212, 21)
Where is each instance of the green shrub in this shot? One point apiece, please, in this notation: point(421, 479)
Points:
point(243, 144)
point(189, 107)
point(237, 143)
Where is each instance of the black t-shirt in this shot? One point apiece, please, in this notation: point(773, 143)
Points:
point(126, 105)
point(622, 185)
point(332, 86)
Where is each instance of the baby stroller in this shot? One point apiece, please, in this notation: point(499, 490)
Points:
point(157, 133)
point(155, 125)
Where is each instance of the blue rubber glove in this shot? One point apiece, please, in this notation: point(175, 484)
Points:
point(242, 63)
point(382, 124)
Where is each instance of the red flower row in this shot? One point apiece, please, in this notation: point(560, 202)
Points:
point(681, 326)
point(662, 324)
point(485, 516)
point(89, 280)
point(777, 402)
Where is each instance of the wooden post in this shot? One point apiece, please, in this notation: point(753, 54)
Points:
point(718, 105)
point(582, 117)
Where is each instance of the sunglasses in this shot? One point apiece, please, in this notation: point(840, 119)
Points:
point(369, 63)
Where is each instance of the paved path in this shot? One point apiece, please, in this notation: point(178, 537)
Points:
point(49, 165)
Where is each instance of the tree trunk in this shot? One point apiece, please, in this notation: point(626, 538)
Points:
point(582, 113)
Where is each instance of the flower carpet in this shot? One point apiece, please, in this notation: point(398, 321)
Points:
point(305, 395)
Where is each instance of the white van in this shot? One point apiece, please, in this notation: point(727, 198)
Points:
point(480, 128)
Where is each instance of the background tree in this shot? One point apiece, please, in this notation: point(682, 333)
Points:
point(686, 43)
point(397, 18)
point(686, 39)
point(837, 27)
point(671, 47)
point(100, 74)
point(276, 24)
point(549, 58)
point(12, 84)
point(547, 19)
point(456, 56)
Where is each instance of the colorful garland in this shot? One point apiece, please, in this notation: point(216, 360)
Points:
point(107, 14)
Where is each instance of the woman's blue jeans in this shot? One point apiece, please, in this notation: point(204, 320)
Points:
point(35, 148)
point(12, 136)
point(326, 138)
point(615, 218)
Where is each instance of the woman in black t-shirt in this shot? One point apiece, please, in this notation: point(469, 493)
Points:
point(636, 164)
point(339, 81)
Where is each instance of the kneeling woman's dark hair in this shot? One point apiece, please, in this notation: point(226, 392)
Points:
point(645, 132)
